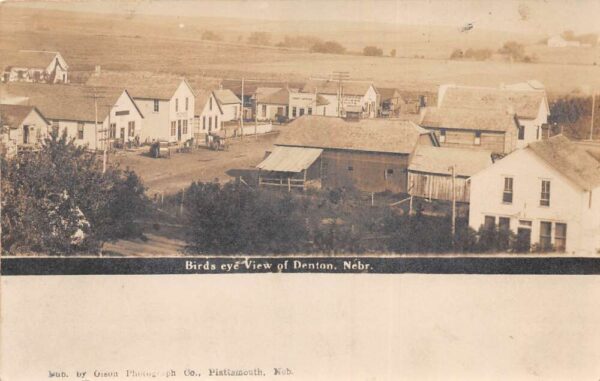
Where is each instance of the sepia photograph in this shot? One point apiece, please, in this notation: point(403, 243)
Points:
point(299, 189)
point(157, 128)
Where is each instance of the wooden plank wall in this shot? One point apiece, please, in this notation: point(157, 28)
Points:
point(438, 187)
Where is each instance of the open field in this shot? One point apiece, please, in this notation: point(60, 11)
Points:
point(141, 43)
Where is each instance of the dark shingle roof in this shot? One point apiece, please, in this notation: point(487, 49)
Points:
point(468, 119)
point(13, 115)
point(439, 160)
point(279, 97)
point(570, 159)
point(64, 102)
point(139, 85)
point(32, 59)
point(373, 135)
point(525, 104)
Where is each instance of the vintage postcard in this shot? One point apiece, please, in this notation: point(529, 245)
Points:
point(254, 143)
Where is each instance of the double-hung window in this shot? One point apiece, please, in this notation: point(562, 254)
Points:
point(507, 193)
point(545, 194)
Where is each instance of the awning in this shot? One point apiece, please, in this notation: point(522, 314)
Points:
point(290, 159)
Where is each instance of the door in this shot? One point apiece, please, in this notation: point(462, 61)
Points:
point(523, 240)
point(122, 136)
point(25, 134)
point(179, 130)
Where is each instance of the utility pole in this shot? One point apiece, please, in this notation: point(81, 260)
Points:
point(96, 118)
point(256, 116)
point(593, 109)
point(453, 169)
point(242, 118)
point(340, 75)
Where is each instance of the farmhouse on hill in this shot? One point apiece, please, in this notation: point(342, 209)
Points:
point(23, 127)
point(72, 109)
point(371, 155)
point(430, 171)
point(493, 130)
point(547, 193)
point(36, 66)
point(530, 106)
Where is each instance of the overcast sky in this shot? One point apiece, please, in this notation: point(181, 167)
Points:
point(536, 16)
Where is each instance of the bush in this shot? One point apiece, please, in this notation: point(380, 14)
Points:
point(513, 50)
point(393, 53)
point(372, 51)
point(57, 201)
point(209, 35)
point(330, 47)
point(456, 54)
point(259, 38)
point(301, 42)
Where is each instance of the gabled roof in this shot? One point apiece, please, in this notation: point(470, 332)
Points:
point(388, 93)
point(250, 87)
point(226, 97)
point(438, 160)
point(14, 115)
point(144, 86)
point(322, 101)
point(323, 86)
point(65, 102)
point(372, 135)
point(279, 97)
point(32, 59)
point(525, 104)
point(468, 119)
point(202, 96)
point(569, 159)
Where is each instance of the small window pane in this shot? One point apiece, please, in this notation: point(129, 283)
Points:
point(545, 235)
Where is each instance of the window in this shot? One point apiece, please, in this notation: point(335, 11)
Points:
point(209, 124)
point(210, 103)
point(545, 235)
point(176, 104)
point(173, 128)
point(301, 111)
point(489, 222)
point(507, 194)
point(131, 129)
point(156, 105)
point(309, 112)
point(350, 168)
point(477, 138)
point(185, 125)
point(443, 135)
point(113, 130)
point(545, 196)
point(216, 122)
point(204, 122)
point(264, 110)
point(293, 112)
point(388, 172)
point(80, 130)
point(187, 103)
point(521, 132)
point(560, 236)
point(120, 113)
point(537, 133)
point(504, 223)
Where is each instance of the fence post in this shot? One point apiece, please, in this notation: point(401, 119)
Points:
point(181, 205)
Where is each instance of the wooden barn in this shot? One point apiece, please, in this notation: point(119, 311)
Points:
point(430, 171)
point(370, 155)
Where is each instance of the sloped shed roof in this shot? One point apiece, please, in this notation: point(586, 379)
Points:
point(468, 119)
point(290, 159)
point(438, 160)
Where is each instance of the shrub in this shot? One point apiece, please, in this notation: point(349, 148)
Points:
point(209, 35)
point(302, 42)
point(372, 51)
point(330, 47)
point(513, 50)
point(259, 38)
point(393, 53)
point(456, 54)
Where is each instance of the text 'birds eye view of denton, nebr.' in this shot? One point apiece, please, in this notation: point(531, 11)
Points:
point(279, 136)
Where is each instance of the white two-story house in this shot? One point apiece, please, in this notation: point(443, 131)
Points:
point(548, 193)
point(528, 104)
point(345, 98)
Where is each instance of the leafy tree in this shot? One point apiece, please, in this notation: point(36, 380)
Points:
point(259, 38)
point(393, 53)
point(457, 54)
point(303, 42)
point(514, 50)
point(209, 35)
point(58, 201)
point(331, 47)
point(372, 51)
